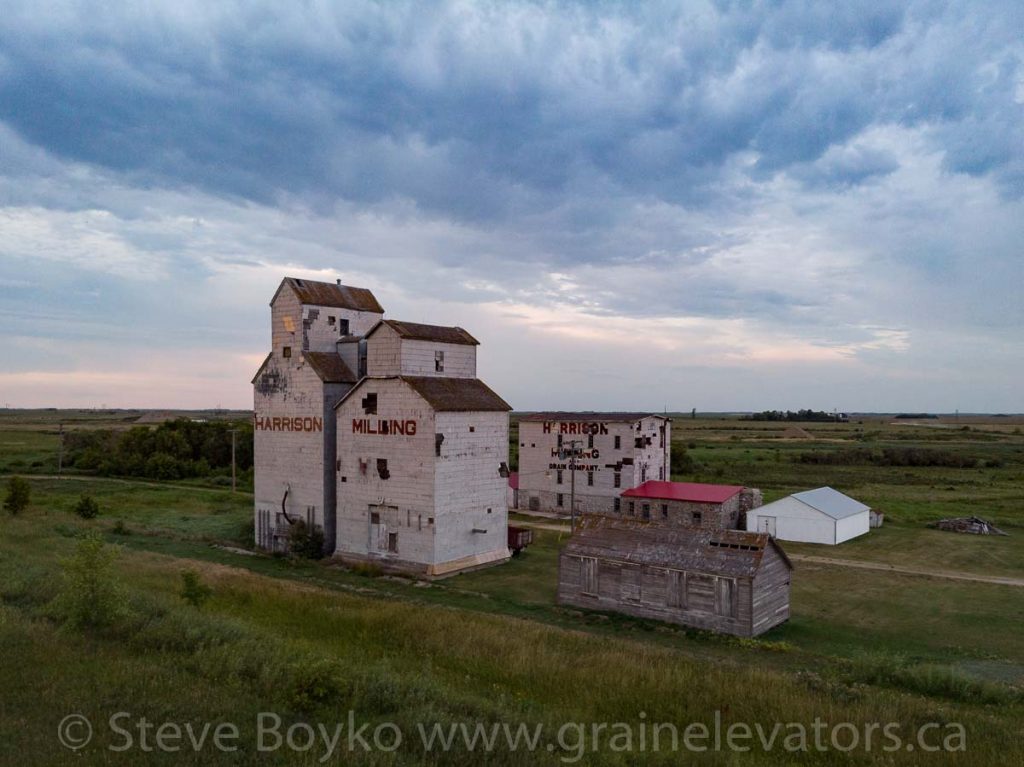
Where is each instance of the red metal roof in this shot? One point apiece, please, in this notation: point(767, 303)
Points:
point(513, 480)
point(683, 491)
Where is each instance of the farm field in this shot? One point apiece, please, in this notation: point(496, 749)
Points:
point(312, 641)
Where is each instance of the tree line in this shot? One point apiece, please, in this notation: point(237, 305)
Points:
point(177, 449)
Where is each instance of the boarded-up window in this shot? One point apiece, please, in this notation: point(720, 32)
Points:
point(370, 403)
point(558, 477)
point(588, 575)
point(630, 583)
point(675, 592)
point(286, 351)
point(617, 479)
point(618, 444)
point(590, 478)
point(700, 593)
point(726, 597)
point(559, 500)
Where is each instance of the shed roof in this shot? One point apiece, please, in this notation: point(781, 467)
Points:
point(683, 491)
point(330, 367)
point(831, 502)
point(624, 417)
point(732, 553)
point(456, 394)
point(453, 395)
point(331, 294)
point(415, 331)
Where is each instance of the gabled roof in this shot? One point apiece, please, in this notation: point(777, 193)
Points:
point(831, 502)
point(415, 331)
point(330, 367)
point(331, 294)
point(453, 395)
point(683, 491)
point(260, 368)
point(555, 415)
point(717, 552)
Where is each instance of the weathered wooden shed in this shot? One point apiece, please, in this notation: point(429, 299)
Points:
point(728, 581)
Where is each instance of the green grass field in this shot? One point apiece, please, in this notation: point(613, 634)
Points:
point(312, 641)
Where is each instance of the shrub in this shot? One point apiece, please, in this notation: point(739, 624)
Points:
point(305, 541)
point(120, 528)
point(193, 590)
point(314, 684)
point(19, 493)
point(87, 508)
point(90, 596)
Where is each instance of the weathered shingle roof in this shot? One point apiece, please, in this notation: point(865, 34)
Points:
point(468, 395)
point(694, 492)
point(330, 367)
point(456, 394)
point(331, 294)
point(732, 553)
point(831, 502)
point(588, 416)
point(415, 331)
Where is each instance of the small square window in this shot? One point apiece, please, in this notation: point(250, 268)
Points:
point(370, 404)
point(374, 518)
point(472, 428)
point(331, 320)
point(430, 520)
point(286, 352)
point(697, 516)
point(382, 468)
point(488, 511)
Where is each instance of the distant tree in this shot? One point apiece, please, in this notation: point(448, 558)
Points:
point(19, 493)
point(87, 508)
point(193, 590)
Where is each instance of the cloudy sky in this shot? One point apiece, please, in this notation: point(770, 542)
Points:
point(721, 205)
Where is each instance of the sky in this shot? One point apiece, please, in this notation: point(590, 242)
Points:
point(719, 205)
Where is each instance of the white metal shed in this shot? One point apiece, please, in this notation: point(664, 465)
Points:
point(823, 515)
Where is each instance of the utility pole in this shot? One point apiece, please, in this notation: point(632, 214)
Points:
point(572, 453)
point(234, 433)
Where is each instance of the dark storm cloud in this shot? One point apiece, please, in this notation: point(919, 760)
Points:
point(485, 112)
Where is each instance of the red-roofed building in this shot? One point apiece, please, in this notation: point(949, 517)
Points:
point(690, 504)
